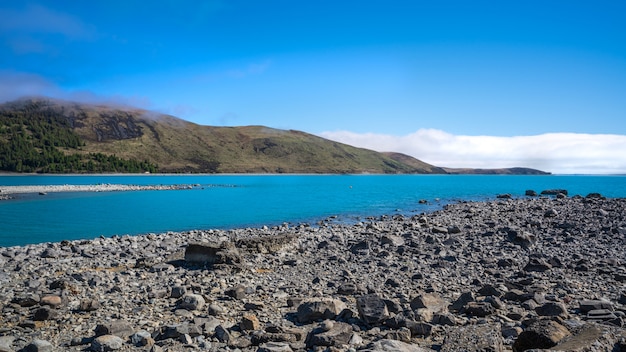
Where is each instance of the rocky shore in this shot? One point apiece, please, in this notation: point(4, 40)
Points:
point(535, 273)
point(8, 192)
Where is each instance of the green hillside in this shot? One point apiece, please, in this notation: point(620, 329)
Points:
point(42, 135)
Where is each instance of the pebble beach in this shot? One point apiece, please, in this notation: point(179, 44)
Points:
point(531, 273)
point(8, 192)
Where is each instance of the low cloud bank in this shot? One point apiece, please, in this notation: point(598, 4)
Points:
point(559, 153)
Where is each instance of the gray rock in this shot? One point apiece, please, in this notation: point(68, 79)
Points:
point(192, 301)
point(431, 301)
point(589, 305)
point(237, 292)
point(266, 244)
point(212, 253)
point(38, 345)
point(554, 192)
point(89, 305)
point(479, 309)
point(5, 343)
point(372, 309)
point(107, 343)
point(460, 302)
point(118, 328)
point(311, 311)
point(142, 338)
point(552, 309)
point(541, 334)
point(222, 334)
point(338, 334)
point(537, 264)
point(178, 291)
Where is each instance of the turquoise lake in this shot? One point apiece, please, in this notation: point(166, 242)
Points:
point(232, 201)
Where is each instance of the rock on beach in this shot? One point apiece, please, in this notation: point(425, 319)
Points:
point(511, 274)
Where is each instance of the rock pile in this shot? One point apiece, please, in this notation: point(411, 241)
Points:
point(506, 275)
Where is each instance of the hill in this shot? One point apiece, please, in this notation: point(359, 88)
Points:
point(503, 171)
point(44, 135)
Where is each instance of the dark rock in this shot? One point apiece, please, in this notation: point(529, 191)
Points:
point(589, 305)
point(191, 301)
point(537, 264)
point(479, 309)
point(600, 315)
point(552, 309)
point(419, 328)
point(44, 313)
point(522, 238)
point(249, 322)
point(541, 334)
point(222, 334)
point(349, 288)
point(212, 253)
point(504, 196)
point(431, 301)
point(178, 291)
point(336, 335)
point(28, 300)
point(594, 196)
point(117, 327)
point(88, 305)
point(266, 244)
point(554, 192)
point(372, 309)
point(237, 292)
point(530, 193)
point(142, 338)
point(464, 299)
point(490, 290)
point(403, 334)
point(38, 345)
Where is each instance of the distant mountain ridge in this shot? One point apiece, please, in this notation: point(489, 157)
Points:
point(125, 139)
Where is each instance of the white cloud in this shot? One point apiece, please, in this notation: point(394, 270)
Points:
point(39, 19)
point(559, 153)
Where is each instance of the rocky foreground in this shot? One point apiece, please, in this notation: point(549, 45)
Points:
point(507, 275)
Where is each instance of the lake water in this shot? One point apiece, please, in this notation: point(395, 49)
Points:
point(231, 201)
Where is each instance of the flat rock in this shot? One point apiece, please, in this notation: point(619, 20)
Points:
point(212, 253)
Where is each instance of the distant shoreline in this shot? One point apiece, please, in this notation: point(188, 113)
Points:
point(43, 189)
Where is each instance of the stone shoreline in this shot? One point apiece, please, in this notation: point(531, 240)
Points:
point(505, 275)
point(6, 192)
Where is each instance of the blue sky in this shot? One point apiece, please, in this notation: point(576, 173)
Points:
point(455, 83)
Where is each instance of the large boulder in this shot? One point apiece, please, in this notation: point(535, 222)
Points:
point(212, 253)
point(313, 310)
point(266, 244)
point(372, 309)
point(541, 334)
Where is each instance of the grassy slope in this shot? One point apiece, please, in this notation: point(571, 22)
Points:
point(180, 146)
